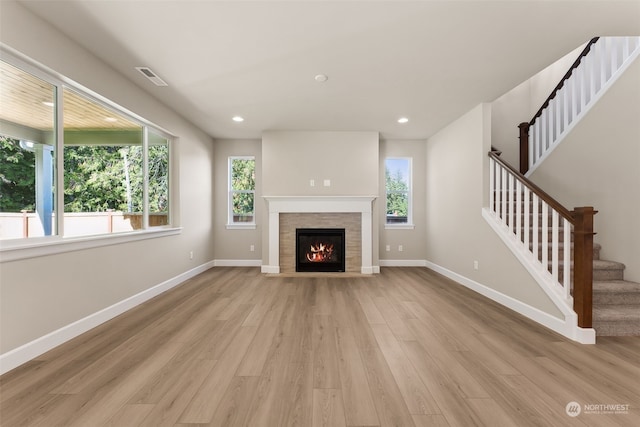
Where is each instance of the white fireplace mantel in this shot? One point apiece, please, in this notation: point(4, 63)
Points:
point(319, 204)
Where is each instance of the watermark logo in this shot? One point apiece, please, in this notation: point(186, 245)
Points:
point(573, 409)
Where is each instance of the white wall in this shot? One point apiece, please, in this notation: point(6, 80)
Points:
point(597, 165)
point(457, 235)
point(413, 241)
point(521, 103)
point(41, 295)
point(235, 244)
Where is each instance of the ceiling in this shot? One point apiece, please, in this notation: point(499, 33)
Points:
point(429, 61)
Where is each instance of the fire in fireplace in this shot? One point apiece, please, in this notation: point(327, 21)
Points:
point(320, 249)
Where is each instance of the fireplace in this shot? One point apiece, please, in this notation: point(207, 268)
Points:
point(320, 249)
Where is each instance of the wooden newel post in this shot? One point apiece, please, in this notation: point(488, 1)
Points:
point(524, 147)
point(583, 265)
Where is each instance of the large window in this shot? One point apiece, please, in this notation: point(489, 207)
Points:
point(62, 150)
point(242, 191)
point(398, 191)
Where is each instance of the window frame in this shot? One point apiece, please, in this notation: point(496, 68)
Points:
point(231, 224)
point(409, 223)
point(23, 248)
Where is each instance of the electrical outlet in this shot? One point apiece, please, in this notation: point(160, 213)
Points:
point(312, 183)
point(388, 248)
point(476, 265)
point(252, 248)
point(327, 183)
point(191, 255)
point(400, 248)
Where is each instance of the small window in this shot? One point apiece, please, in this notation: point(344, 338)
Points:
point(398, 191)
point(242, 190)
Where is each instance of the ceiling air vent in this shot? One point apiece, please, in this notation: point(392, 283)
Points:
point(152, 76)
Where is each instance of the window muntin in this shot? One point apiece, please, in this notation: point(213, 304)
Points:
point(98, 197)
point(27, 154)
point(242, 189)
point(398, 191)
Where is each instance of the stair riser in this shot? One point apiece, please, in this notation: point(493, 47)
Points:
point(616, 298)
point(616, 329)
point(604, 275)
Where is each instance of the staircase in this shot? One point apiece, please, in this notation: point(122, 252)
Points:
point(543, 234)
point(616, 302)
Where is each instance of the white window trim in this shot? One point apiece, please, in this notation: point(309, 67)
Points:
point(238, 225)
point(23, 248)
point(409, 225)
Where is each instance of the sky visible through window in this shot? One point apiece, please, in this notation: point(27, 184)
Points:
point(400, 166)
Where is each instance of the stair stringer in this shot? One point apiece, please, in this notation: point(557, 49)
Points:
point(567, 327)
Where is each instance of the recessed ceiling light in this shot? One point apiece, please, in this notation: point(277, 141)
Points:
point(48, 103)
point(321, 78)
point(238, 119)
point(403, 120)
point(110, 119)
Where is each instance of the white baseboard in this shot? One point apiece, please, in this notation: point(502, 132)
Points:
point(566, 327)
point(403, 263)
point(35, 348)
point(237, 262)
point(270, 269)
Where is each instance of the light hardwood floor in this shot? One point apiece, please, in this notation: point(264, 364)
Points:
point(233, 347)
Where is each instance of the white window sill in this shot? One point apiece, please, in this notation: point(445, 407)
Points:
point(247, 226)
point(13, 250)
point(399, 226)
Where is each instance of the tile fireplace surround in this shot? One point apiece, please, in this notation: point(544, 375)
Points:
point(320, 204)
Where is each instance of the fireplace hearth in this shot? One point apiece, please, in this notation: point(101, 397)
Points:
point(320, 249)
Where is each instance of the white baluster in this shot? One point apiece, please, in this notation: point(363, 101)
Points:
point(519, 210)
point(554, 244)
point(504, 196)
point(511, 201)
point(568, 101)
point(492, 185)
point(604, 59)
point(566, 281)
point(550, 125)
point(538, 143)
point(527, 211)
point(558, 120)
point(544, 135)
point(535, 229)
point(531, 145)
point(545, 236)
point(614, 55)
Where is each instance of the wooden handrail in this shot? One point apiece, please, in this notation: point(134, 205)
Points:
point(524, 127)
point(564, 212)
point(575, 64)
point(582, 220)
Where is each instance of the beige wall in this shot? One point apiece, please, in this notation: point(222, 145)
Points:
point(597, 165)
point(41, 295)
point(457, 235)
point(521, 103)
point(235, 244)
point(413, 241)
point(291, 159)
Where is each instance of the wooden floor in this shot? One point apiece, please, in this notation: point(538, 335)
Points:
point(233, 347)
